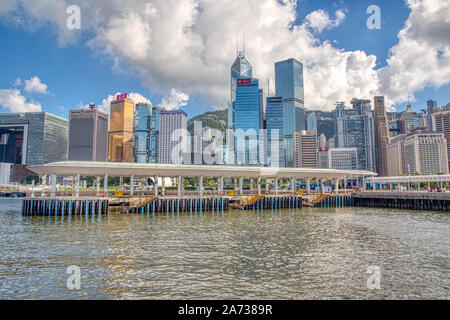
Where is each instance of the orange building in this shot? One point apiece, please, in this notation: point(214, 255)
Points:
point(121, 130)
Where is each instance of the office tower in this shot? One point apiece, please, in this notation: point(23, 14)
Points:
point(431, 108)
point(311, 122)
point(441, 123)
point(274, 129)
point(331, 143)
point(241, 68)
point(248, 121)
point(394, 127)
point(395, 156)
point(426, 154)
point(173, 127)
point(409, 121)
point(355, 128)
point(305, 149)
point(154, 134)
point(322, 141)
point(322, 158)
point(142, 133)
point(88, 135)
point(381, 135)
point(121, 130)
point(33, 138)
point(289, 86)
point(343, 158)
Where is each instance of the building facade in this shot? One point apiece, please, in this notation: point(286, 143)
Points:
point(311, 122)
point(355, 129)
point(426, 154)
point(248, 121)
point(121, 130)
point(395, 156)
point(172, 136)
point(441, 123)
point(142, 133)
point(154, 134)
point(289, 85)
point(409, 121)
point(431, 109)
point(274, 129)
point(381, 135)
point(305, 149)
point(343, 158)
point(33, 138)
point(88, 135)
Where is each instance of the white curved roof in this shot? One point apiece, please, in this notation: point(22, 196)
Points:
point(68, 168)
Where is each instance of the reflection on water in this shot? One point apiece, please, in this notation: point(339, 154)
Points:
point(288, 254)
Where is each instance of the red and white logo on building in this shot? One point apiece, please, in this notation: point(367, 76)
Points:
point(122, 96)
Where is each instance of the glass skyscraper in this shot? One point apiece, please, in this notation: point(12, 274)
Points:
point(274, 127)
point(311, 122)
point(248, 121)
point(355, 129)
point(154, 134)
point(142, 132)
point(241, 68)
point(289, 86)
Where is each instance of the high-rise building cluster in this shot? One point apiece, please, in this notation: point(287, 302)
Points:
point(271, 129)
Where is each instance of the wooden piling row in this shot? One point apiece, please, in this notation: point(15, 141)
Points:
point(55, 206)
point(172, 205)
point(336, 201)
point(404, 203)
point(275, 203)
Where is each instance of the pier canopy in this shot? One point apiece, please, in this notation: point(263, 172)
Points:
point(410, 179)
point(87, 168)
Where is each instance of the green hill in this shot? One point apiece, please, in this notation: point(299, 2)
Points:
point(211, 119)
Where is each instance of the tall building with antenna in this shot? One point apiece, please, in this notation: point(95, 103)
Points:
point(240, 68)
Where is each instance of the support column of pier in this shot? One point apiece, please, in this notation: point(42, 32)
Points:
point(77, 186)
point(97, 182)
point(363, 183)
point(180, 182)
point(345, 184)
point(322, 186)
point(53, 186)
point(156, 185)
point(221, 185)
point(201, 185)
point(132, 185)
point(32, 188)
point(163, 186)
point(105, 186)
point(259, 185)
point(43, 183)
point(241, 186)
point(308, 185)
point(293, 184)
point(276, 186)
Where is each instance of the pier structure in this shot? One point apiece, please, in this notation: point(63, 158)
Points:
point(409, 183)
point(256, 176)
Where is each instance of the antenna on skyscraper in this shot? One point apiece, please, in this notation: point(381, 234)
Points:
point(269, 93)
point(244, 45)
point(237, 43)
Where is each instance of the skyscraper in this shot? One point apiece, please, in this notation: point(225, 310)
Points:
point(289, 86)
point(311, 122)
point(154, 134)
point(121, 130)
point(248, 121)
point(241, 68)
point(409, 120)
point(305, 149)
point(381, 135)
point(355, 128)
point(33, 138)
point(431, 108)
point(343, 158)
point(441, 121)
point(142, 133)
point(426, 154)
point(171, 123)
point(88, 135)
point(395, 156)
point(274, 127)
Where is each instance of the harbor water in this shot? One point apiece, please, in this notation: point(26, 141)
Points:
point(307, 253)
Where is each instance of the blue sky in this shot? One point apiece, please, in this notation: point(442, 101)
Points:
point(76, 75)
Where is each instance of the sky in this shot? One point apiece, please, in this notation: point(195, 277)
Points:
point(178, 53)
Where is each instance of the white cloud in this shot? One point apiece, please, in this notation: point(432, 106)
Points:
point(176, 100)
point(34, 85)
point(319, 20)
point(14, 101)
point(106, 102)
point(190, 45)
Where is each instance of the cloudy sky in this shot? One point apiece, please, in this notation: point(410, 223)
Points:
point(177, 53)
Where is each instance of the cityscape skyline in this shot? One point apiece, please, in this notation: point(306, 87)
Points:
point(37, 87)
